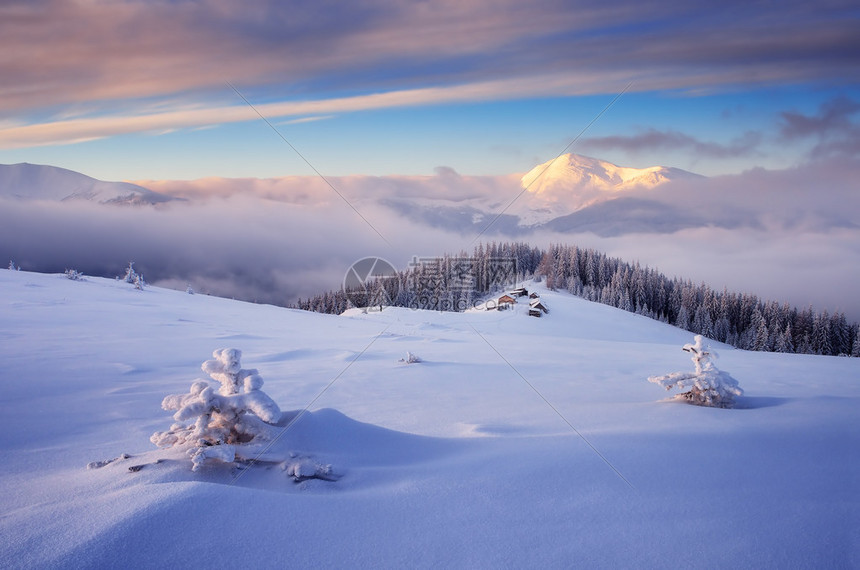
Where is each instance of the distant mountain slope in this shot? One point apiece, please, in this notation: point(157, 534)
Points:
point(572, 182)
point(574, 171)
point(545, 197)
point(39, 182)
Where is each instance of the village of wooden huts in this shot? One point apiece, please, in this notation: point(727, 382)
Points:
point(508, 300)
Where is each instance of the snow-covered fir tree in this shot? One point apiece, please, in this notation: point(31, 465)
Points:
point(706, 385)
point(855, 348)
point(682, 321)
point(821, 334)
point(840, 334)
point(410, 358)
point(133, 277)
point(702, 322)
point(760, 335)
point(784, 342)
point(130, 273)
point(217, 424)
point(722, 329)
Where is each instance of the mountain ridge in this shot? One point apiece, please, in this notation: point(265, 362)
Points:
point(581, 170)
point(27, 181)
point(572, 182)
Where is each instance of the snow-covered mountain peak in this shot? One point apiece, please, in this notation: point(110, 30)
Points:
point(572, 182)
point(573, 171)
point(26, 181)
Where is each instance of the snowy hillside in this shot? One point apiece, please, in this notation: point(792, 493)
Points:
point(515, 442)
point(38, 182)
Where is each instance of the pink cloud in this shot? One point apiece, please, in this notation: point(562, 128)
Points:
point(106, 62)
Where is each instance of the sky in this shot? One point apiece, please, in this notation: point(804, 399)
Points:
point(133, 90)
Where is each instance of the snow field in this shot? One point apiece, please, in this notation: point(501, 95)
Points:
point(454, 461)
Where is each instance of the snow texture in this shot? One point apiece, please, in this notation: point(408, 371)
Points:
point(706, 386)
point(452, 463)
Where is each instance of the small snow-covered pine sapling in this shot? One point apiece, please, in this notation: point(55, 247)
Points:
point(411, 358)
point(706, 386)
point(133, 277)
point(12, 266)
point(218, 422)
point(130, 273)
point(74, 275)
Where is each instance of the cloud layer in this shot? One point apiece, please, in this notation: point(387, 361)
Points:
point(786, 235)
point(239, 246)
point(832, 129)
point(81, 70)
point(653, 140)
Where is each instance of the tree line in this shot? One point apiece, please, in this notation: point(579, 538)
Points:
point(457, 282)
point(738, 319)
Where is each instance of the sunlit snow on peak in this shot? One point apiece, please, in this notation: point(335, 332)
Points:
point(571, 182)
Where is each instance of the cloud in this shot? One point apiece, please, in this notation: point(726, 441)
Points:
point(656, 140)
point(788, 235)
point(306, 120)
point(91, 128)
point(817, 198)
point(800, 268)
point(233, 246)
point(120, 67)
point(59, 51)
point(445, 185)
point(833, 128)
point(834, 115)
